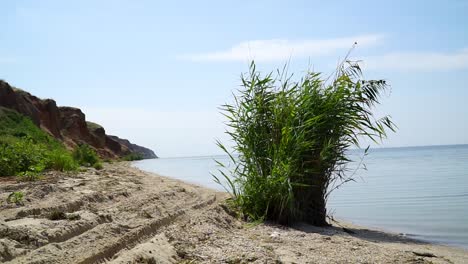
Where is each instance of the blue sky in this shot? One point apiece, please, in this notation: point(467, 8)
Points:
point(156, 71)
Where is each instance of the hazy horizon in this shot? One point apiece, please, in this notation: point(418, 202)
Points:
point(377, 147)
point(156, 73)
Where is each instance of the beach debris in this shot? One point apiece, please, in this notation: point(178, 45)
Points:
point(145, 214)
point(424, 254)
point(275, 234)
point(57, 215)
point(73, 217)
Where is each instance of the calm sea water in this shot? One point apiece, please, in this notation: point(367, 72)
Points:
point(419, 191)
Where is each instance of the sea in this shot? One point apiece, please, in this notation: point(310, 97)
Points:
point(421, 192)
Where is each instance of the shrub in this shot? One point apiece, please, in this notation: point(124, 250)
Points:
point(27, 158)
point(16, 198)
point(98, 166)
point(61, 160)
point(22, 156)
point(85, 155)
point(133, 156)
point(291, 139)
point(7, 166)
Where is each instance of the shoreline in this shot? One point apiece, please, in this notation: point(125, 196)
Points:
point(409, 236)
point(374, 226)
point(122, 214)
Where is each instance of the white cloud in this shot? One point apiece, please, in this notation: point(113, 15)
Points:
point(418, 61)
point(283, 49)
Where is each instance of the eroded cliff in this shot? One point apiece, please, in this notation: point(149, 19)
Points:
point(68, 124)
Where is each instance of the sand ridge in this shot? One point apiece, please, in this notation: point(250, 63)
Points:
point(123, 215)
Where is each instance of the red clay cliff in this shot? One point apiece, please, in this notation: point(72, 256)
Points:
point(68, 124)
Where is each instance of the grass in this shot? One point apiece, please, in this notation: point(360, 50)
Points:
point(291, 137)
point(28, 176)
point(92, 126)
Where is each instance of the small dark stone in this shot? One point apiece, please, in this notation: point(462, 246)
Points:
point(424, 254)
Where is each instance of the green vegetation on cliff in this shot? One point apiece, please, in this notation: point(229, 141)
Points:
point(93, 126)
point(133, 156)
point(26, 150)
point(14, 126)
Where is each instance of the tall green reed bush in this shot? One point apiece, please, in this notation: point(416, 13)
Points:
point(290, 140)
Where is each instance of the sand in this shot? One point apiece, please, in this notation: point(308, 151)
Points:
point(123, 215)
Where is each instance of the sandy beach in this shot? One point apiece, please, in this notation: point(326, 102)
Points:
point(121, 214)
